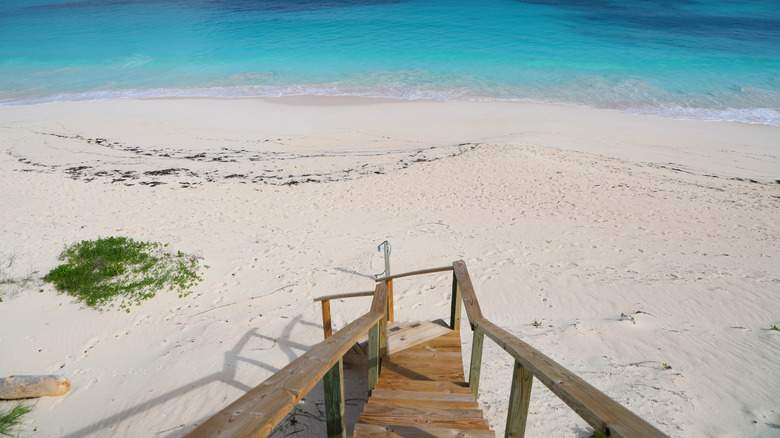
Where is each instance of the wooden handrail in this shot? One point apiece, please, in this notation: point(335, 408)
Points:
point(345, 295)
point(470, 301)
point(605, 415)
point(257, 412)
point(420, 272)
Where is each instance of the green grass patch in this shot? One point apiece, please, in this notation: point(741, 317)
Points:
point(12, 418)
point(120, 271)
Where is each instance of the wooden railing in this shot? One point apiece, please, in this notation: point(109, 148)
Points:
point(256, 413)
point(327, 326)
point(603, 414)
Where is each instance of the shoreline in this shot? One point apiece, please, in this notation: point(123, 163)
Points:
point(266, 129)
point(761, 115)
point(571, 217)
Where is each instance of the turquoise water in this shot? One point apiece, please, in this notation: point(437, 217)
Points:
point(713, 60)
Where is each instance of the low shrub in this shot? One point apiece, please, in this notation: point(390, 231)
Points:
point(101, 272)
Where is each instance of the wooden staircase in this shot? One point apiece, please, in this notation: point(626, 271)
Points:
point(415, 377)
point(421, 390)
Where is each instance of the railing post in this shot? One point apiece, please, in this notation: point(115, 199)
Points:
point(326, 324)
point(390, 310)
point(390, 313)
point(455, 308)
point(373, 357)
point(333, 383)
point(476, 360)
point(383, 349)
point(519, 398)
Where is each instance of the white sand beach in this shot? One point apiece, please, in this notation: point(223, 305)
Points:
point(637, 242)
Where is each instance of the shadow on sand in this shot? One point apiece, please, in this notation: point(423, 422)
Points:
point(308, 416)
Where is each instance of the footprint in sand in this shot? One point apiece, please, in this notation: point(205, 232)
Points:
point(56, 367)
point(121, 333)
point(90, 345)
point(143, 319)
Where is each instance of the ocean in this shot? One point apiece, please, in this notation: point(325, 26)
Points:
point(708, 60)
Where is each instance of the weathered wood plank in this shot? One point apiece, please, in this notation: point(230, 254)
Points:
point(424, 386)
point(410, 338)
point(333, 384)
point(399, 328)
point(449, 342)
point(383, 336)
point(421, 431)
point(259, 410)
point(434, 359)
point(382, 393)
point(402, 336)
point(415, 403)
point(326, 325)
point(379, 303)
point(393, 371)
point(430, 411)
point(367, 293)
point(467, 291)
point(373, 357)
point(391, 328)
point(475, 365)
point(420, 272)
point(421, 420)
point(455, 305)
point(390, 308)
point(412, 355)
point(605, 415)
point(519, 399)
point(423, 371)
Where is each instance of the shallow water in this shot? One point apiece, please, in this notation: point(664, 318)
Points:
point(714, 60)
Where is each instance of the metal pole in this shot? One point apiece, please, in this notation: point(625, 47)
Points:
point(386, 244)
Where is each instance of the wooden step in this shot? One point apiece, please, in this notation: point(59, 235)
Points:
point(403, 335)
point(438, 396)
point(424, 386)
point(393, 328)
point(422, 403)
point(382, 431)
point(397, 371)
point(404, 411)
point(421, 392)
point(466, 423)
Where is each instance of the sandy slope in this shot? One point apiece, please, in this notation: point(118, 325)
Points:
point(571, 217)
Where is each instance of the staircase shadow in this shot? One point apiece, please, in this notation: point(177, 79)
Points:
point(226, 375)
